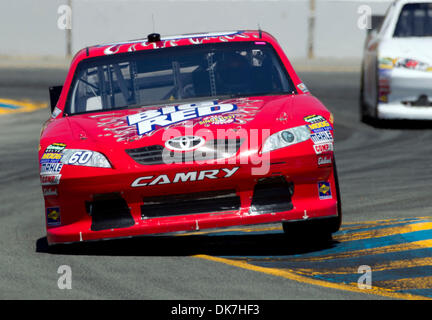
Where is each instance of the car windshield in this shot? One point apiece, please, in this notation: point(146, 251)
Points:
point(177, 74)
point(415, 20)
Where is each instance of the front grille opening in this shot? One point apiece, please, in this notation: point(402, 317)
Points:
point(191, 203)
point(109, 211)
point(422, 101)
point(272, 194)
point(212, 149)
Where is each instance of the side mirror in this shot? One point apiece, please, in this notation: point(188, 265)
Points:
point(376, 21)
point(373, 33)
point(54, 93)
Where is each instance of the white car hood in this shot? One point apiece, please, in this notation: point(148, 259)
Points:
point(419, 48)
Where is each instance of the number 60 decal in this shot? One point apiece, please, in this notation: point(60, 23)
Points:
point(81, 157)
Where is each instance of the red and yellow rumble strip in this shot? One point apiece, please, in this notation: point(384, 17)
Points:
point(18, 106)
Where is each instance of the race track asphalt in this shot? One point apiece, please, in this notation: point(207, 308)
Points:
point(384, 174)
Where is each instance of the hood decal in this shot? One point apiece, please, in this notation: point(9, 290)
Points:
point(150, 120)
point(125, 128)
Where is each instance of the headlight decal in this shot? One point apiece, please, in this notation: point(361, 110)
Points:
point(79, 157)
point(56, 156)
point(285, 138)
point(87, 158)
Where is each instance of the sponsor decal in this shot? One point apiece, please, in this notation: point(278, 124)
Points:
point(384, 77)
point(386, 63)
point(53, 216)
point(324, 160)
point(50, 180)
point(314, 118)
point(150, 120)
point(215, 120)
point(55, 112)
point(118, 127)
point(320, 126)
point(51, 157)
point(283, 117)
point(322, 137)
point(184, 177)
point(303, 87)
point(50, 168)
point(323, 147)
point(49, 191)
point(324, 190)
point(53, 153)
point(55, 147)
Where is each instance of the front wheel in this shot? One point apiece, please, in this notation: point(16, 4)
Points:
point(364, 115)
point(369, 113)
point(318, 228)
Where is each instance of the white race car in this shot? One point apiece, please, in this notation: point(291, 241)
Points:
point(396, 81)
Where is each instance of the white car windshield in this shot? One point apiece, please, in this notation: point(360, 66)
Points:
point(415, 20)
point(178, 74)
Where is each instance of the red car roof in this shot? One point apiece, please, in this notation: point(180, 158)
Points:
point(172, 41)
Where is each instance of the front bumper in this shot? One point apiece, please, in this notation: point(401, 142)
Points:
point(402, 89)
point(289, 191)
point(400, 111)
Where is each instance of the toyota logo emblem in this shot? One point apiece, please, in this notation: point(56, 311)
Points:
point(185, 143)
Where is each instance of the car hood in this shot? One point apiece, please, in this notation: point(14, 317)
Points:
point(120, 127)
point(415, 48)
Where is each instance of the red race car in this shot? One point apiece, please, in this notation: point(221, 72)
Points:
point(186, 133)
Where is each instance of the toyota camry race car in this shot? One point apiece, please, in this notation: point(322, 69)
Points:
point(186, 133)
point(396, 80)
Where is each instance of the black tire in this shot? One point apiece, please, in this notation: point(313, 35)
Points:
point(364, 116)
point(318, 229)
point(375, 118)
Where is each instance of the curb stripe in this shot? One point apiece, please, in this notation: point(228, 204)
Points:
point(392, 265)
point(408, 283)
point(16, 106)
point(367, 224)
point(397, 252)
point(379, 277)
point(416, 238)
point(373, 251)
point(389, 231)
point(291, 275)
point(345, 230)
